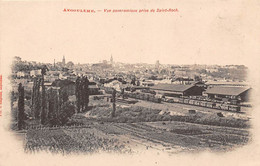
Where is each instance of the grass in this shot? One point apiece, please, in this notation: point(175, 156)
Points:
point(141, 114)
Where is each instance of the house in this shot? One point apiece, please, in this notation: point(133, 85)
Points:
point(237, 93)
point(66, 85)
point(21, 74)
point(50, 78)
point(114, 84)
point(34, 73)
point(93, 88)
point(177, 90)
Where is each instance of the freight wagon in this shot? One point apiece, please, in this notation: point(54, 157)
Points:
point(224, 107)
point(181, 100)
point(186, 101)
point(211, 104)
point(192, 102)
point(218, 106)
point(144, 96)
point(234, 108)
point(197, 102)
point(203, 103)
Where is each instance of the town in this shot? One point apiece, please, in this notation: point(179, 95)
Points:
point(166, 107)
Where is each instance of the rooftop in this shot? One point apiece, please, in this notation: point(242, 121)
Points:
point(234, 91)
point(226, 83)
point(172, 87)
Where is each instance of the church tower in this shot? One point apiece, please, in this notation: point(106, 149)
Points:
point(63, 61)
point(111, 59)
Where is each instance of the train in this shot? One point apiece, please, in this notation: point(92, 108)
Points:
point(144, 96)
point(204, 103)
point(192, 100)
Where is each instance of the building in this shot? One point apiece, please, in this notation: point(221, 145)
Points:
point(226, 83)
point(117, 85)
point(66, 85)
point(93, 89)
point(231, 93)
point(177, 90)
point(111, 60)
point(21, 74)
point(70, 87)
point(35, 73)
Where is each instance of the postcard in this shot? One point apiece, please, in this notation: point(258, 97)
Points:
point(129, 83)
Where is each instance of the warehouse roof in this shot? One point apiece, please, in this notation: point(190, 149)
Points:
point(172, 87)
point(227, 83)
point(233, 91)
point(62, 83)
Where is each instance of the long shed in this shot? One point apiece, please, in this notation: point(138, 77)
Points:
point(177, 90)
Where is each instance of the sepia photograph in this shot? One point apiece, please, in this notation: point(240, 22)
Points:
point(147, 80)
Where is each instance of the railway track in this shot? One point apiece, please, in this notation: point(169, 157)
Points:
point(171, 139)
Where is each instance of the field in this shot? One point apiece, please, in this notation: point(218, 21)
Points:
point(72, 140)
point(143, 126)
point(173, 137)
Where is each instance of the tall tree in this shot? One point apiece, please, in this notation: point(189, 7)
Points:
point(114, 103)
point(51, 108)
point(33, 99)
point(86, 92)
point(123, 92)
point(43, 110)
point(133, 81)
point(20, 116)
point(63, 96)
point(81, 95)
point(138, 83)
point(77, 93)
point(36, 98)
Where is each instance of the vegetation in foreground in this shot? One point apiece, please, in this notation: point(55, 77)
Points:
point(68, 141)
point(141, 114)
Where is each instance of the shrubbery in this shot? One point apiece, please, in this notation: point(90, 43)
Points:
point(142, 114)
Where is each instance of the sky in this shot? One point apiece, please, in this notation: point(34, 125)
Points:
point(202, 32)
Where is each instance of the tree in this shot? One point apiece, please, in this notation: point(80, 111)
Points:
point(197, 78)
point(20, 116)
point(43, 110)
point(138, 83)
point(133, 81)
point(114, 103)
point(67, 110)
point(77, 93)
point(51, 107)
point(81, 96)
point(36, 98)
point(86, 93)
point(123, 92)
point(64, 96)
point(82, 93)
point(17, 58)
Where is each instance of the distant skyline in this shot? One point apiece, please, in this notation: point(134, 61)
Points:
point(197, 34)
point(101, 61)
